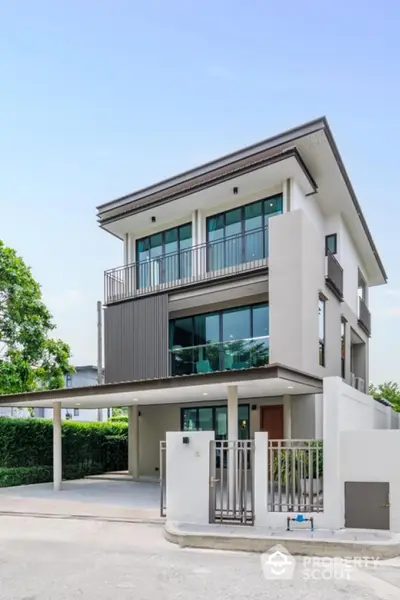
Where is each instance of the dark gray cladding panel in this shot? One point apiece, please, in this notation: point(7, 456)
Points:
point(136, 339)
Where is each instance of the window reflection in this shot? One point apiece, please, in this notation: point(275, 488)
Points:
point(164, 256)
point(228, 340)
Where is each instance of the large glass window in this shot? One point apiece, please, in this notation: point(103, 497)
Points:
point(228, 340)
point(164, 256)
point(241, 235)
point(215, 418)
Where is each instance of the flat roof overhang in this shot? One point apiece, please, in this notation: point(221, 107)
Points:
point(271, 380)
point(320, 160)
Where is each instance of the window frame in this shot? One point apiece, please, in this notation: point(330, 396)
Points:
point(322, 340)
point(214, 409)
point(220, 314)
point(76, 412)
point(264, 217)
point(327, 238)
point(343, 336)
point(163, 234)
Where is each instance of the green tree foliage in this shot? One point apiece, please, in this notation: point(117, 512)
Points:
point(389, 390)
point(29, 357)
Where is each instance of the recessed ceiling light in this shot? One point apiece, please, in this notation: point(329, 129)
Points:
point(78, 403)
point(205, 394)
point(290, 387)
point(135, 400)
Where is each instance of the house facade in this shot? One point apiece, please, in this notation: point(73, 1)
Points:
point(244, 283)
point(84, 376)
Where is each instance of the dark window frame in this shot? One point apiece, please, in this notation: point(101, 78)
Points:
point(214, 415)
point(343, 323)
point(163, 234)
point(163, 254)
point(220, 314)
point(243, 231)
point(322, 341)
point(332, 236)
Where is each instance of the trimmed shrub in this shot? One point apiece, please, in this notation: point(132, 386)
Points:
point(24, 475)
point(118, 419)
point(88, 449)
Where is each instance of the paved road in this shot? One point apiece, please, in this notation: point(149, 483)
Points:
point(52, 559)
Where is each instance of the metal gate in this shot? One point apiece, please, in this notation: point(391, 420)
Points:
point(231, 485)
point(163, 479)
point(295, 476)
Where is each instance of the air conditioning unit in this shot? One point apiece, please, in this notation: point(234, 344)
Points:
point(360, 384)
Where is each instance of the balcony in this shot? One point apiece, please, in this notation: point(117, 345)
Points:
point(222, 356)
point(334, 276)
point(212, 260)
point(364, 317)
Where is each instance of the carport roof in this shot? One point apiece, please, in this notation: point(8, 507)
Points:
point(271, 380)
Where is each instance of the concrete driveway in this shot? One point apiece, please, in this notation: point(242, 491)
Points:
point(117, 499)
point(53, 559)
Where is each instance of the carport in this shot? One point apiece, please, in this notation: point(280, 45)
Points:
point(225, 387)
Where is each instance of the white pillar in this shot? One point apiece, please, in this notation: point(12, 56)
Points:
point(287, 417)
point(233, 417)
point(233, 412)
point(261, 474)
point(133, 441)
point(57, 447)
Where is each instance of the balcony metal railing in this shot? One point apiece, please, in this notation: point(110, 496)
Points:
point(334, 275)
point(219, 258)
point(221, 356)
point(364, 316)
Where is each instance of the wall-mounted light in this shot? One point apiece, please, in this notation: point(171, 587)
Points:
point(185, 440)
point(235, 190)
point(153, 219)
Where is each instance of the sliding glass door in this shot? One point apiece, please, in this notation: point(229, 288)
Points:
point(240, 235)
point(164, 256)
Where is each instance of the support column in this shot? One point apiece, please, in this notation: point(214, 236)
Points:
point(287, 417)
point(133, 441)
point(233, 412)
point(233, 417)
point(57, 447)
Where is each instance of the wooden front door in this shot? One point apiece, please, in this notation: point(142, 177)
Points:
point(272, 421)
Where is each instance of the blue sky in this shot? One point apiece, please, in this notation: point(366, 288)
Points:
point(99, 98)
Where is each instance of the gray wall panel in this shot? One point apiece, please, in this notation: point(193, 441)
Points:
point(136, 339)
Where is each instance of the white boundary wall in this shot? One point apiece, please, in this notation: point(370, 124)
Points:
point(373, 456)
point(187, 476)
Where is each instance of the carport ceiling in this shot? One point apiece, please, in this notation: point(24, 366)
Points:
point(172, 390)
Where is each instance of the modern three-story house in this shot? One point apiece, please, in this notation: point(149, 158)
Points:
point(244, 283)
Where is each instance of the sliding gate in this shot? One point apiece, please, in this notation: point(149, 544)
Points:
point(231, 485)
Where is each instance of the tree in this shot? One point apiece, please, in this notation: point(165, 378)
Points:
point(389, 390)
point(29, 358)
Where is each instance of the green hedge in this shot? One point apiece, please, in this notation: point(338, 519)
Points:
point(26, 449)
point(24, 475)
point(118, 419)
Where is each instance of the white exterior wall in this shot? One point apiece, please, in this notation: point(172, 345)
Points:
point(373, 456)
point(351, 262)
point(154, 422)
point(296, 279)
point(308, 204)
point(188, 473)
